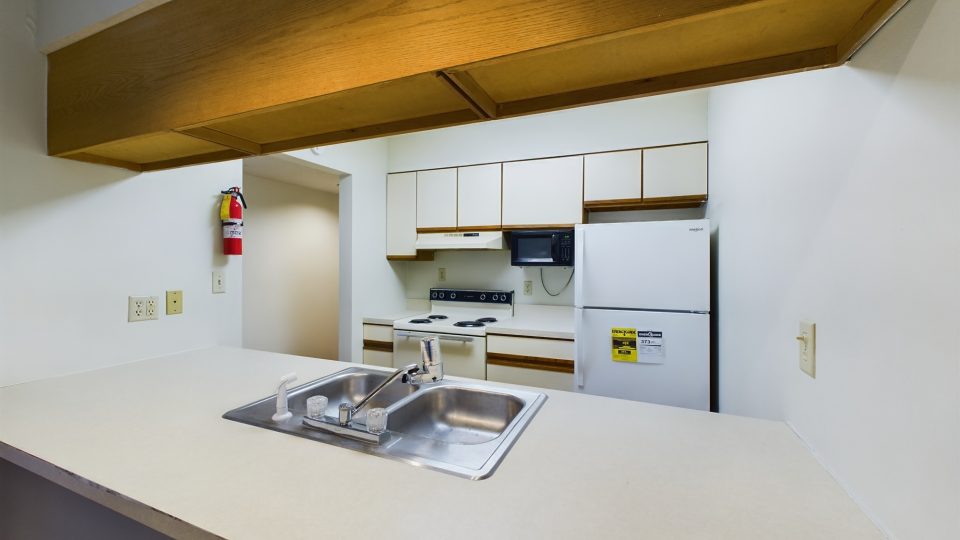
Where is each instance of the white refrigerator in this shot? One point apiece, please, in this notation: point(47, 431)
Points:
point(642, 298)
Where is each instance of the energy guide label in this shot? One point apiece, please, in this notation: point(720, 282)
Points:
point(649, 343)
point(623, 344)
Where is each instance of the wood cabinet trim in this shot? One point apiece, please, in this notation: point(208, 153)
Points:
point(422, 255)
point(374, 345)
point(428, 230)
point(530, 362)
point(524, 336)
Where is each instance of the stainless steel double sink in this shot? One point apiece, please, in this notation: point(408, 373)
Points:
point(458, 427)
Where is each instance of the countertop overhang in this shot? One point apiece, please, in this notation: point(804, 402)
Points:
point(147, 440)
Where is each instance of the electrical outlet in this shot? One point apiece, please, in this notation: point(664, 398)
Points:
point(527, 288)
point(442, 274)
point(141, 308)
point(174, 302)
point(807, 340)
point(219, 283)
point(152, 312)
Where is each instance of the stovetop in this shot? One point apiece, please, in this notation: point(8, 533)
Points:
point(461, 311)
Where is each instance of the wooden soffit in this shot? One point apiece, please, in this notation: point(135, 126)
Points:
point(197, 81)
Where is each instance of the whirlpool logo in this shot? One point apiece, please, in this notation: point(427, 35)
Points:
point(696, 229)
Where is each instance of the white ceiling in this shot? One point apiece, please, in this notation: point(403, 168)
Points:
point(292, 170)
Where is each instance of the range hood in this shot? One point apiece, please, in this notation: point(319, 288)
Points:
point(461, 240)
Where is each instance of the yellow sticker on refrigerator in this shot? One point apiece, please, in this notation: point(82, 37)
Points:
point(623, 344)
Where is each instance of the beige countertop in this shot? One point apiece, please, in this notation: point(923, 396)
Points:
point(389, 318)
point(147, 439)
point(538, 321)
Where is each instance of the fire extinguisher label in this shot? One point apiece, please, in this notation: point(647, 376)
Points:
point(233, 230)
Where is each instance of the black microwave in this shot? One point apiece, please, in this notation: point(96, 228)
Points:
point(541, 248)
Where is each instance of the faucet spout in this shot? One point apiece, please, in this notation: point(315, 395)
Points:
point(430, 370)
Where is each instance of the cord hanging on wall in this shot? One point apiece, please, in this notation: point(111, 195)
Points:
point(565, 285)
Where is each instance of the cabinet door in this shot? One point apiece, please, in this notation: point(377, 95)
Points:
point(613, 176)
point(402, 215)
point(530, 377)
point(675, 171)
point(437, 200)
point(478, 196)
point(543, 192)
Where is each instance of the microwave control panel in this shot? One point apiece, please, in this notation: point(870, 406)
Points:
point(566, 247)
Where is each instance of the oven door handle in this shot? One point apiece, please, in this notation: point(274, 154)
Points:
point(442, 337)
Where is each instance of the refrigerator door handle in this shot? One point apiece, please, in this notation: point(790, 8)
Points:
point(578, 349)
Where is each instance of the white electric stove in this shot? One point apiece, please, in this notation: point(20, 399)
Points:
point(459, 318)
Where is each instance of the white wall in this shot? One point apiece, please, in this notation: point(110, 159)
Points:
point(487, 270)
point(369, 284)
point(634, 123)
point(835, 193)
point(61, 22)
point(290, 269)
point(76, 239)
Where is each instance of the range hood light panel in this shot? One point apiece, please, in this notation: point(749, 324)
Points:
point(463, 240)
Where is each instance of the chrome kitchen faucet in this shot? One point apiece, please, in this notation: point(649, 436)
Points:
point(430, 370)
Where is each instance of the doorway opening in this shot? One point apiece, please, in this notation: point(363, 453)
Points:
point(291, 257)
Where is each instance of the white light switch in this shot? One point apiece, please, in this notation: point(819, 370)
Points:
point(219, 283)
point(807, 341)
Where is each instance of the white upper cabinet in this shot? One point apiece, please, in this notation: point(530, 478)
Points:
point(437, 199)
point(478, 196)
point(543, 192)
point(402, 215)
point(675, 171)
point(613, 176)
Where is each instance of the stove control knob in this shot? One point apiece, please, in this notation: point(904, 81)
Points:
point(433, 295)
point(441, 296)
point(483, 297)
point(495, 298)
point(453, 295)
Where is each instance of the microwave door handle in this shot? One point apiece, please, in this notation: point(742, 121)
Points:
point(555, 246)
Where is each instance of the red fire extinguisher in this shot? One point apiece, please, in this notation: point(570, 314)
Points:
point(231, 217)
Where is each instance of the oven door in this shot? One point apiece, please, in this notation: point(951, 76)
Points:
point(463, 356)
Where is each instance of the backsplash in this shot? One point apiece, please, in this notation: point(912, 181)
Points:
point(492, 270)
point(487, 270)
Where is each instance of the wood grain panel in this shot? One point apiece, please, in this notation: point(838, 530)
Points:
point(147, 74)
point(155, 147)
point(373, 345)
point(268, 76)
point(762, 30)
point(530, 362)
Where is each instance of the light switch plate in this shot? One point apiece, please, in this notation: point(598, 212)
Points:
point(174, 302)
point(807, 343)
point(219, 282)
point(442, 274)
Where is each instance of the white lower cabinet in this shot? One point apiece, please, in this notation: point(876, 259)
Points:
point(530, 377)
point(378, 345)
point(530, 361)
point(376, 357)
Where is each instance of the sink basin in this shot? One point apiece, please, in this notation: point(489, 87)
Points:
point(457, 415)
point(462, 428)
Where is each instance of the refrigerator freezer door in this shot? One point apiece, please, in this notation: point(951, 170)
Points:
point(662, 265)
point(672, 355)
